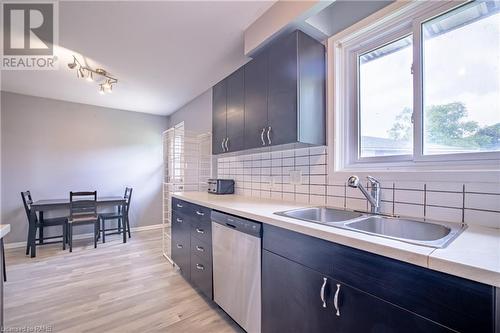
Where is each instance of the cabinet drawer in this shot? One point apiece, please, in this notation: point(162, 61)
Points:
point(201, 275)
point(202, 230)
point(201, 249)
point(199, 212)
point(180, 206)
point(463, 305)
point(181, 254)
point(180, 222)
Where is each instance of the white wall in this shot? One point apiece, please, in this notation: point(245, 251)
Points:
point(197, 114)
point(52, 147)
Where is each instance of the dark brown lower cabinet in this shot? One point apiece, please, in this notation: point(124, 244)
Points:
point(296, 298)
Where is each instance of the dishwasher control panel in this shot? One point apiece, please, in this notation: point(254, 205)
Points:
point(237, 223)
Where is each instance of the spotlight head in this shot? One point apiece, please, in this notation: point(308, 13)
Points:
point(72, 65)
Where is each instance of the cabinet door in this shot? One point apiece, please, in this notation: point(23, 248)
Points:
point(283, 90)
point(291, 298)
point(256, 101)
point(181, 245)
point(361, 312)
point(236, 110)
point(219, 107)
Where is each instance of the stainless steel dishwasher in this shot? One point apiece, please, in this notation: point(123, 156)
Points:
point(236, 245)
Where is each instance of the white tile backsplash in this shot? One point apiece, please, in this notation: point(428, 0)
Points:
point(267, 175)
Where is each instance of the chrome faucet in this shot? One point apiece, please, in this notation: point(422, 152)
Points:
point(374, 197)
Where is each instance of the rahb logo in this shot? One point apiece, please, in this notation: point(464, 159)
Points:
point(29, 35)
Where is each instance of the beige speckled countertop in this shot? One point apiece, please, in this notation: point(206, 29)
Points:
point(474, 254)
point(4, 230)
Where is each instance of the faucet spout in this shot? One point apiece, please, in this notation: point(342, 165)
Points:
point(373, 197)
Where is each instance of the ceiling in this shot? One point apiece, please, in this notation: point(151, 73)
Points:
point(162, 53)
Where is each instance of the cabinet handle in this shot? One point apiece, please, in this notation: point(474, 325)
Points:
point(179, 220)
point(200, 248)
point(269, 134)
point(336, 300)
point(322, 292)
point(179, 206)
point(200, 213)
point(200, 267)
point(262, 136)
point(222, 145)
point(200, 231)
point(227, 141)
point(179, 246)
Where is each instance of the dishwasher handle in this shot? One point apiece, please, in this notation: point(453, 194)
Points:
point(237, 223)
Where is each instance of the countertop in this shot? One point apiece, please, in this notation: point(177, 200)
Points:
point(474, 254)
point(4, 230)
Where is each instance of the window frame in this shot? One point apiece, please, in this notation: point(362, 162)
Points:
point(391, 23)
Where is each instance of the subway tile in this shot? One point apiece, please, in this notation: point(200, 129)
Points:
point(301, 160)
point(490, 187)
point(266, 163)
point(317, 150)
point(256, 193)
point(335, 190)
point(288, 153)
point(303, 189)
point(443, 214)
point(265, 194)
point(444, 199)
point(277, 187)
point(288, 188)
point(276, 162)
point(288, 196)
point(317, 199)
point(256, 171)
point(276, 155)
point(482, 201)
point(317, 190)
point(317, 179)
point(302, 198)
point(302, 152)
point(276, 171)
point(276, 195)
point(317, 159)
point(265, 156)
point(485, 219)
point(256, 186)
point(408, 210)
point(255, 157)
point(256, 163)
point(404, 196)
point(265, 171)
point(302, 168)
point(317, 170)
point(247, 164)
point(256, 179)
point(288, 161)
point(356, 204)
point(335, 202)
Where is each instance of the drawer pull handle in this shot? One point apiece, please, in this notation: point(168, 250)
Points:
point(179, 205)
point(336, 300)
point(200, 267)
point(200, 231)
point(269, 135)
point(262, 136)
point(200, 248)
point(179, 246)
point(179, 220)
point(200, 213)
point(322, 292)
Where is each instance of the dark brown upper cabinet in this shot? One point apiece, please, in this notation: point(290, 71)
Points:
point(281, 100)
point(228, 113)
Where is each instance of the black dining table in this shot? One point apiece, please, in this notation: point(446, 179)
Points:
point(42, 206)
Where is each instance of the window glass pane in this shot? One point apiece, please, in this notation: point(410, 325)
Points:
point(386, 100)
point(461, 57)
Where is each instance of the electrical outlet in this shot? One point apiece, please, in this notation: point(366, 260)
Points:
point(296, 177)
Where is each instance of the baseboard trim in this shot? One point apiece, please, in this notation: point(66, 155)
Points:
point(88, 235)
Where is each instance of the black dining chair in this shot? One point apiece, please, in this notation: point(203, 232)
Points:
point(38, 225)
point(121, 215)
point(82, 211)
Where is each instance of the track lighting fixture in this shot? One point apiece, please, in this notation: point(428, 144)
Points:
point(104, 80)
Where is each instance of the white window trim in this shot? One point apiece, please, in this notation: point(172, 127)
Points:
point(340, 91)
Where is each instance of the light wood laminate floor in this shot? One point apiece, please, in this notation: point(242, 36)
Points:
point(114, 288)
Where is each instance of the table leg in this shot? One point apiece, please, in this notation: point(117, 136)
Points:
point(40, 232)
point(32, 234)
point(124, 223)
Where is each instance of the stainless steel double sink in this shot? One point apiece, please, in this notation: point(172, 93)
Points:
point(437, 235)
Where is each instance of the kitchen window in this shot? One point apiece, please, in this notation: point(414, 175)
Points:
point(418, 85)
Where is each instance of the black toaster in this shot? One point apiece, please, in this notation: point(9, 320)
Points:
point(221, 186)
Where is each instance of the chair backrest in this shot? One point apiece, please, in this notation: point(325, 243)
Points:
point(82, 203)
point(27, 202)
point(128, 197)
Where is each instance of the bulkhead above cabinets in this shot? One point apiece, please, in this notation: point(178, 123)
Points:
point(276, 99)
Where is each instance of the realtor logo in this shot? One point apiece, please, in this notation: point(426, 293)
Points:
point(29, 35)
